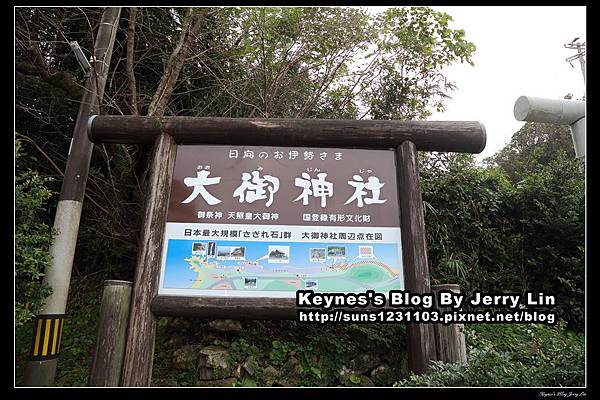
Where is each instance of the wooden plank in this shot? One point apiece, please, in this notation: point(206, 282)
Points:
point(421, 343)
point(112, 331)
point(458, 136)
point(234, 307)
point(137, 367)
point(450, 339)
point(225, 307)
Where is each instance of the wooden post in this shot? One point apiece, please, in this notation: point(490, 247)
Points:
point(112, 330)
point(137, 367)
point(421, 341)
point(450, 339)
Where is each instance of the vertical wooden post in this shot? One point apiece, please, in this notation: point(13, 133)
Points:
point(421, 341)
point(450, 339)
point(112, 331)
point(139, 352)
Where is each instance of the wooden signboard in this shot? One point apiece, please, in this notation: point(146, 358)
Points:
point(240, 213)
point(260, 223)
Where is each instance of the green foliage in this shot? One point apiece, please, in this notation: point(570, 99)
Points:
point(280, 351)
point(413, 46)
point(532, 146)
point(469, 225)
point(550, 207)
point(78, 337)
point(512, 355)
point(32, 241)
point(486, 233)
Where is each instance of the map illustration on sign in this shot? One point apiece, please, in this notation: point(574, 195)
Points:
point(265, 221)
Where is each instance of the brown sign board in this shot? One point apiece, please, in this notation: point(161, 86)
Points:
point(257, 221)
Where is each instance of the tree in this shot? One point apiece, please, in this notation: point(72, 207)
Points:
point(531, 147)
point(312, 62)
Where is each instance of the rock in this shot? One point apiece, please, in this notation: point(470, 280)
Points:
point(213, 363)
point(237, 371)
point(227, 382)
point(365, 362)
point(383, 375)
point(289, 374)
point(344, 374)
point(225, 325)
point(185, 357)
point(170, 382)
point(179, 324)
point(249, 365)
point(366, 382)
point(221, 342)
point(270, 374)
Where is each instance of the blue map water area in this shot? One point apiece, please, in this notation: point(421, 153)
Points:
point(178, 275)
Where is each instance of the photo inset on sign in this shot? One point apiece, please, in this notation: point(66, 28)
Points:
point(317, 254)
point(336, 252)
point(212, 250)
point(279, 254)
point(199, 248)
point(231, 253)
point(250, 283)
point(311, 284)
point(365, 252)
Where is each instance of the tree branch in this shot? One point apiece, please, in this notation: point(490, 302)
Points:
point(130, 49)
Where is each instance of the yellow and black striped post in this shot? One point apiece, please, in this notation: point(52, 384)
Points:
point(46, 338)
point(45, 343)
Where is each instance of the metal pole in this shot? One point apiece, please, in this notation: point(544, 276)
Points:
point(41, 367)
point(553, 111)
point(581, 57)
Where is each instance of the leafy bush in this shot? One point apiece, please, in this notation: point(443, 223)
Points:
point(550, 218)
point(512, 355)
point(32, 241)
point(489, 234)
point(468, 218)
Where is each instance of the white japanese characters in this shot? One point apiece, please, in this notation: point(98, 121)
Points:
point(372, 184)
point(313, 181)
point(198, 183)
point(253, 188)
point(314, 187)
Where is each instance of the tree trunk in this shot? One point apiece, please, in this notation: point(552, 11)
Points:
point(190, 28)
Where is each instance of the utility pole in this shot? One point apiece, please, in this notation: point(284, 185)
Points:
point(580, 47)
point(41, 367)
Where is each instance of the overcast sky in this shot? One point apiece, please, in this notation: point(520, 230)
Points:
point(519, 52)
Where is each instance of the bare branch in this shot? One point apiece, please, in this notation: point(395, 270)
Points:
point(130, 49)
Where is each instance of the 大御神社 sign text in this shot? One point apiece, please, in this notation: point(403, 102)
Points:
point(267, 221)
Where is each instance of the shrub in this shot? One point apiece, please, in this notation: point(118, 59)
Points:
point(32, 242)
point(512, 355)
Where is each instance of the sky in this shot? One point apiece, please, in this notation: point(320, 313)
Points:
point(519, 52)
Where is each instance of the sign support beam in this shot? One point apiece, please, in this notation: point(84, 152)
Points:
point(458, 136)
point(421, 339)
point(139, 347)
